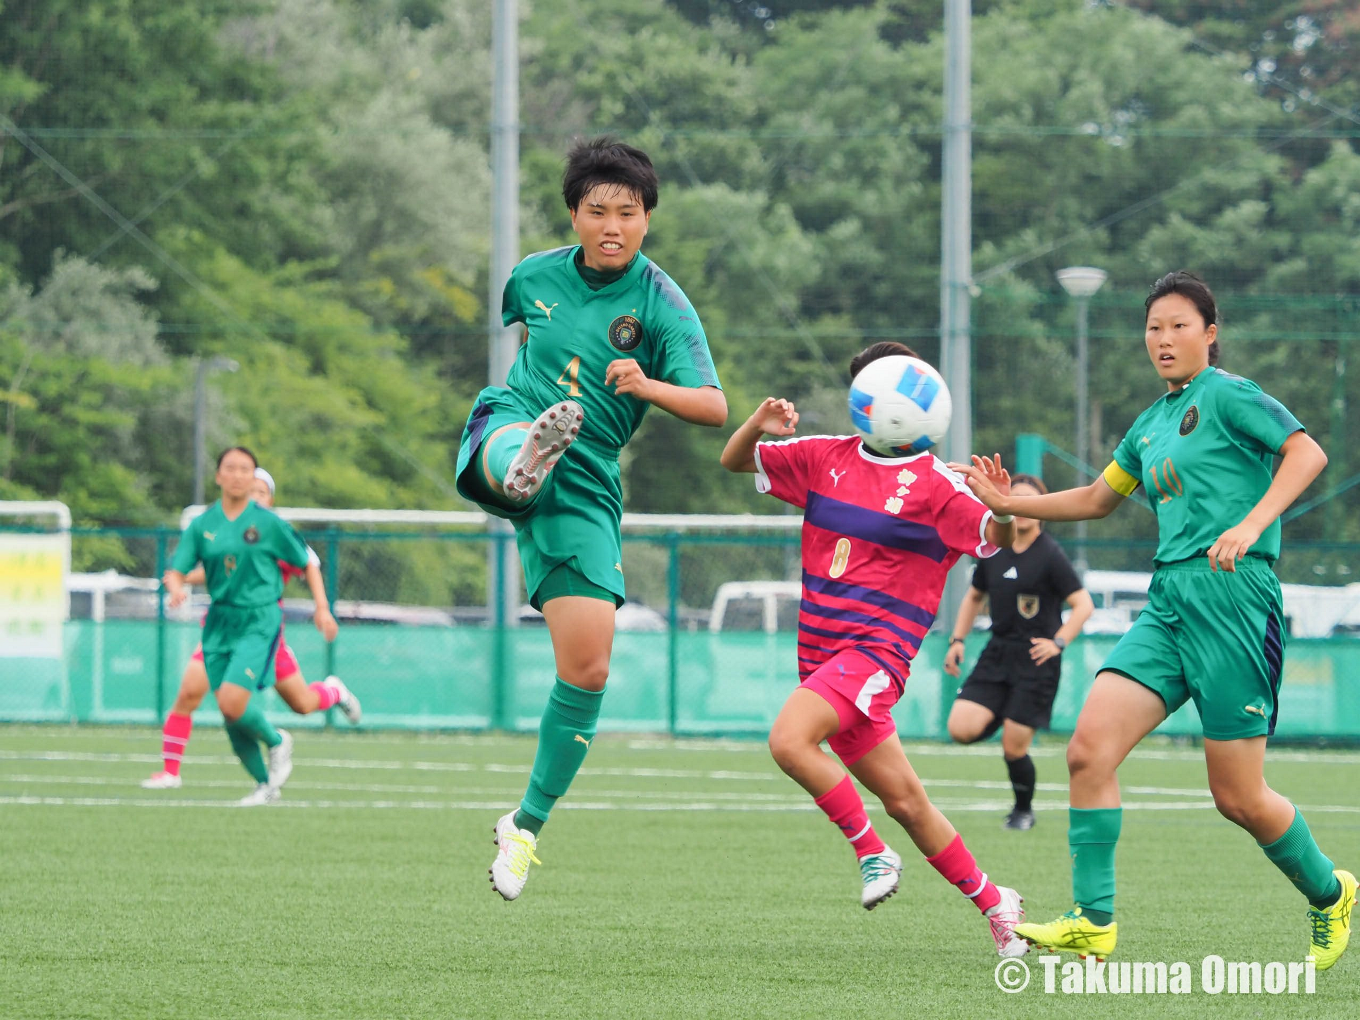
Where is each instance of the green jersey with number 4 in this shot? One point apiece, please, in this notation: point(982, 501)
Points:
point(1203, 454)
point(575, 332)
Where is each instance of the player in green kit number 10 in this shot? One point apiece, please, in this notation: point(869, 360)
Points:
point(1213, 627)
point(240, 545)
point(608, 335)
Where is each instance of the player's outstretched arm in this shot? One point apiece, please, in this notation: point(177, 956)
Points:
point(774, 417)
point(1090, 502)
point(323, 619)
point(698, 405)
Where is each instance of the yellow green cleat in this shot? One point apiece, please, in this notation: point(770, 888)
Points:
point(1072, 933)
point(1332, 927)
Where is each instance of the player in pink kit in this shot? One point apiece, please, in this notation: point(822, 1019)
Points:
point(879, 536)
point(302, 697)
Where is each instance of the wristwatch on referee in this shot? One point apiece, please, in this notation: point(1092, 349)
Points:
point(956, 641)
point(1061, 642)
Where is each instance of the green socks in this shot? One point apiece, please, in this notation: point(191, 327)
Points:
point(1296, 853)
point(1093, 833)
point(564, 736)
point(1091, 837)
point(253, 722)
point(498, 457)
point(247, 748)
point(246, 735)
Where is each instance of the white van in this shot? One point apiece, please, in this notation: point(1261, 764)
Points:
point(767, 606)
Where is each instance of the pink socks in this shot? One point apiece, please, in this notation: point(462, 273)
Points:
point(174, 738)
point(326, 695)
point(955, 862)
point(844, 806)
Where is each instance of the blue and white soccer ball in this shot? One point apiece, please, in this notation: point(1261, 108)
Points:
point(900, 406)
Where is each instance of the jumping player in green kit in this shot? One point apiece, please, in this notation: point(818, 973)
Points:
point(1213, 627)
point(608, 334)
point(241, 545)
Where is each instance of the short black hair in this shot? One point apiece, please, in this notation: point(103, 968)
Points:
point(1187, 285)
point(882, 349)
point(254, 461)
point(606, 160)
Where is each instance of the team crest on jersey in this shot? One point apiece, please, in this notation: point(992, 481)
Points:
point(252, 535)
point(625, 333)
point(1190, 420)
point(1028, 606)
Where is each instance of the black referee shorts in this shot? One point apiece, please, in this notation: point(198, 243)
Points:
point(1007, 681)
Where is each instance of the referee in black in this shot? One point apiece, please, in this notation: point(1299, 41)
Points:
point(1016, 677)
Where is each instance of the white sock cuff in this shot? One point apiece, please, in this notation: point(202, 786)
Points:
point(981, 885)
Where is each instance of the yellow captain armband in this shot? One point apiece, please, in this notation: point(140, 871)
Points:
point(1120, 480)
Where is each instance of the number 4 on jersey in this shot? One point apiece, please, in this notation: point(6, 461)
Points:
point(569, 376)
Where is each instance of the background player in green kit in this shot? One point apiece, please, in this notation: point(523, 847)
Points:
point(240, 545)
point(608, 334)
point(1212, 630)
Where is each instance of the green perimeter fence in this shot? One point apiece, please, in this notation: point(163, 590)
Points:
point(418, 645)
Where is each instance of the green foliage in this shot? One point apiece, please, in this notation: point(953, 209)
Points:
point(309, 184)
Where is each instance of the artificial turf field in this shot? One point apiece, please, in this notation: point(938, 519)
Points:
point(679, 879)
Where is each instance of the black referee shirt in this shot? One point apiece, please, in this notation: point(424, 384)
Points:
point(1027, 590)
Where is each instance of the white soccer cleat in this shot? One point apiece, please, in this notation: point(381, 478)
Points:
point(548, 438)
point(347, 702)
point(1003, 918)
point(162, 781)
point(880, 873)
point(261, 795)
point(281, 761)
point(510, 870)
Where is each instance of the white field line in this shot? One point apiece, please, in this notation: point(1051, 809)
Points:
point(709, 804)
point(993, 750)
point(743, 797)
point(463, 791)
point(142, 733)
point(754, 746)
point(651, 800)
point(374, 763)
point(494, 767)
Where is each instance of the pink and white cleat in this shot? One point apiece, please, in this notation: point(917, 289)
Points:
point(1003, 918)
point(548, 438)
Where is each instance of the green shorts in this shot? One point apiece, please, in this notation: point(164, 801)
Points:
point(576, 521)
point(1214, 636)
point(239, 645)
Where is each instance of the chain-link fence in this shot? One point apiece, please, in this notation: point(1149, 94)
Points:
point(705, 644)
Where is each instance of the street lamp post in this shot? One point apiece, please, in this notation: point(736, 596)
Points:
point(201, 370)
point(1081, 283)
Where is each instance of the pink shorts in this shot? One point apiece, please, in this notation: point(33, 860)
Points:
point(285, 662)
point(863, 693)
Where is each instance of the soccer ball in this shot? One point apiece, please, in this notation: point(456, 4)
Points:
point(900, 406)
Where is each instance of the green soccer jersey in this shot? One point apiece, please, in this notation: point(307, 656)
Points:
point(575, 332)
point(240, 557)
point(1203, 454)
